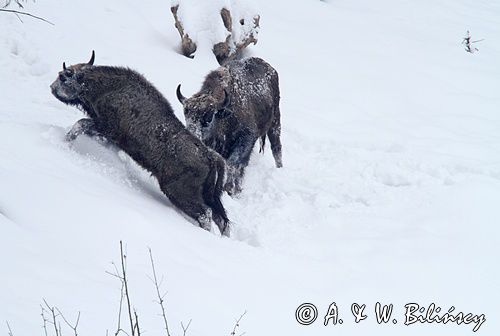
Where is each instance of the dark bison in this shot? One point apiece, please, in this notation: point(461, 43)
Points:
point(238, 103)
point(127, 110)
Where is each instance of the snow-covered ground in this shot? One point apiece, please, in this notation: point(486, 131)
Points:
point(390, 190)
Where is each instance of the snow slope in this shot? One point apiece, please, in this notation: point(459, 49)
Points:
point(389, 193)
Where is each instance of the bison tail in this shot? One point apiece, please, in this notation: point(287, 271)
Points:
point(213, 192)
point(262, 143)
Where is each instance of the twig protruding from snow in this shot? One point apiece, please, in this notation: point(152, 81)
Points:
point(24, 13)
point(122, 276)
point(44, 321)
point(73, 327)
point(52, 310)
point(10, 330)
point(17, 2)
point(158, 294)
point(468, 43)
point(237, 324)
point(185, 328)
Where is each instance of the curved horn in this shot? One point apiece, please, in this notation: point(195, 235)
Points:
point(91, 62)
point(179, 94)
point(227, 99)
point(64, 65)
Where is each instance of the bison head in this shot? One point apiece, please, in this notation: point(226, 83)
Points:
point(69, 83)
point(202, 111)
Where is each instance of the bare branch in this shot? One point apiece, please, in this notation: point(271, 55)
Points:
point(44, 320)
point(74, 328)
point(137, 323)
point(185, 329)
point(237, 324)
point(54, 317)
point(125, 284)
point(160, 297)
point(123, 331)
point(27, 14)
point(8, 327)
point(19, 18)
point(118, 328)
point(18, 3)
point(122, 295)
point(469, 44)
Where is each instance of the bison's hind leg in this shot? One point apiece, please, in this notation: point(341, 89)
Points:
point(205, 219)
point(274, 134)
point(198, 211)
point(191, 204)
point(212, 192)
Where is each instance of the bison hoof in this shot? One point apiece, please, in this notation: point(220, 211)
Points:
point(70, 136)
point(226, 231)
point(205, 220)
point(232, 189)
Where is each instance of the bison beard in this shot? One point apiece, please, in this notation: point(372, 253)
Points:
point(129, 111)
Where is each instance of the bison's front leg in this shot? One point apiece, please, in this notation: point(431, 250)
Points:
point(238, 160)
point(234, 180)
point(83, 126)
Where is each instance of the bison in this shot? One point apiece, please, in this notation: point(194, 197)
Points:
point(238, 103)
point(127, 110)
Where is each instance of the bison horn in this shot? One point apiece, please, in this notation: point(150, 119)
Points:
point(92, 58)
point(179, 94)
point(64, 66)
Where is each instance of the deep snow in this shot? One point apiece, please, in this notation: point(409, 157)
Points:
point(390, 190)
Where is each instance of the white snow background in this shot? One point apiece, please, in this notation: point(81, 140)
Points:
point(390, 190)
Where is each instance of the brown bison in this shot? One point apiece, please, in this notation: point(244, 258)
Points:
point(127, 110)
point(238, 103)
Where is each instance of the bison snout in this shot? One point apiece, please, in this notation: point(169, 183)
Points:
point(54, 88)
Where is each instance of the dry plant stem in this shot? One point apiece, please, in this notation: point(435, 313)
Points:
point(160, 297)
point(119, 328)
point(17, 2)
point(73, 327)
point(185, 329)
point(137, 324)
point(237, 324)
point(27, 14)
point(127, 296)
point(17, 15)
point(119, 276)
point(54, 316)
point(44, 320)
point(8, 327)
